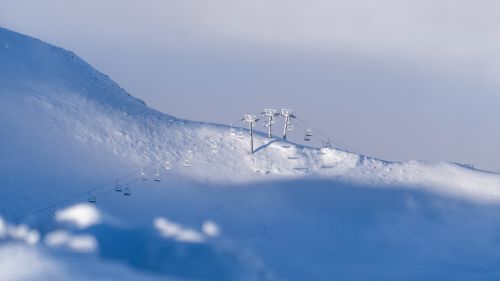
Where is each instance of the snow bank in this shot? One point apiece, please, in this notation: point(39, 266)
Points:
point(81, 215)
point(176, 231)
point(77, 243)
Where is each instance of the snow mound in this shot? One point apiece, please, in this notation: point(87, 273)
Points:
point(81, 215)
point(174, 230)
point(78, 243)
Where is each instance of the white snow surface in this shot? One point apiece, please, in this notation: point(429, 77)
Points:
point(288, 213)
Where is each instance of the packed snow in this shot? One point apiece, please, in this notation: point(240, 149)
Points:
point(203, 208)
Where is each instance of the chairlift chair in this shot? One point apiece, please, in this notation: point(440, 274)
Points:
point(190, 154)
point(157, 175)
point(308, 134)
point(213, 145)
point(186, 163)
point(232, 131)
point(118, 188)
point(167, 165)
point(240, 133)
point(327, 144)
point(127, 191)
point(91, 198)
point(143, 175)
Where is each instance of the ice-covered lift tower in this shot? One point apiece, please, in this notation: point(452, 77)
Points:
point(287, 115)
point(251, 120)
point(269, 114)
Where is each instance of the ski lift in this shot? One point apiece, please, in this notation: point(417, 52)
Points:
point(240, 133)
point(157, 175)
point(190, 154)
point(144, 177)
point(91, 198)
point(118, 188)
point(232, 131)
point(290, 126)
point(127, 191)
point(168, 166)
point(186, 163)
point(327, 144)
point(308, 134)
point(213, 145)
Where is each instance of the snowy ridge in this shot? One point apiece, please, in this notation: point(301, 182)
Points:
point(94, 110)
point(65, 128)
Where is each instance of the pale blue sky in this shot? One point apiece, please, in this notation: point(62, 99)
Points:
point(395, 79)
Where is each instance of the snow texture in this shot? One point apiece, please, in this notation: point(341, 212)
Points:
point(290, 212)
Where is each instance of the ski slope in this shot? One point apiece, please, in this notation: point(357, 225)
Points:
point(290, 212)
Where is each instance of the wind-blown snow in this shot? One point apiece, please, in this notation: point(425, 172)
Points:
point(289, 212)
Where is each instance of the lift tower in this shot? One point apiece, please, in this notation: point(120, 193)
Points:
point(288, 116)
point(269, 114)
point(251, 120)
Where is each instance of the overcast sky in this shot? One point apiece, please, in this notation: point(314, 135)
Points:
point(394, 79)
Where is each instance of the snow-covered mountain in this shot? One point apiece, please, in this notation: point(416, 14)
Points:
point(68, 133)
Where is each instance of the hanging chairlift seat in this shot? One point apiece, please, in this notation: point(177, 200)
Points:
point(143, 175)
point(327, 144)
point(157, 176)
point(167, 165)
point(127, 191)
point(118, 188)
point(308, 134)
point(232, 131)
point(240, 133)
point(91, 198)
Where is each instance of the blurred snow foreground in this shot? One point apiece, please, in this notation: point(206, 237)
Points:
point(96, 185)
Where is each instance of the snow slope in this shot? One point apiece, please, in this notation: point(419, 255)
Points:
point(288, 213)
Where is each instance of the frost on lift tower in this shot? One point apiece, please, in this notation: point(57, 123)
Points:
point(269, 114)
point(251, 120)
point(288, 116)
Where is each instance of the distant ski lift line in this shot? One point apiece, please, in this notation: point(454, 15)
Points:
point(91, 198)
point(126, 191)
point(328, 138)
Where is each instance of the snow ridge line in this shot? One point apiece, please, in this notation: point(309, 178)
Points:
point(150, 168)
